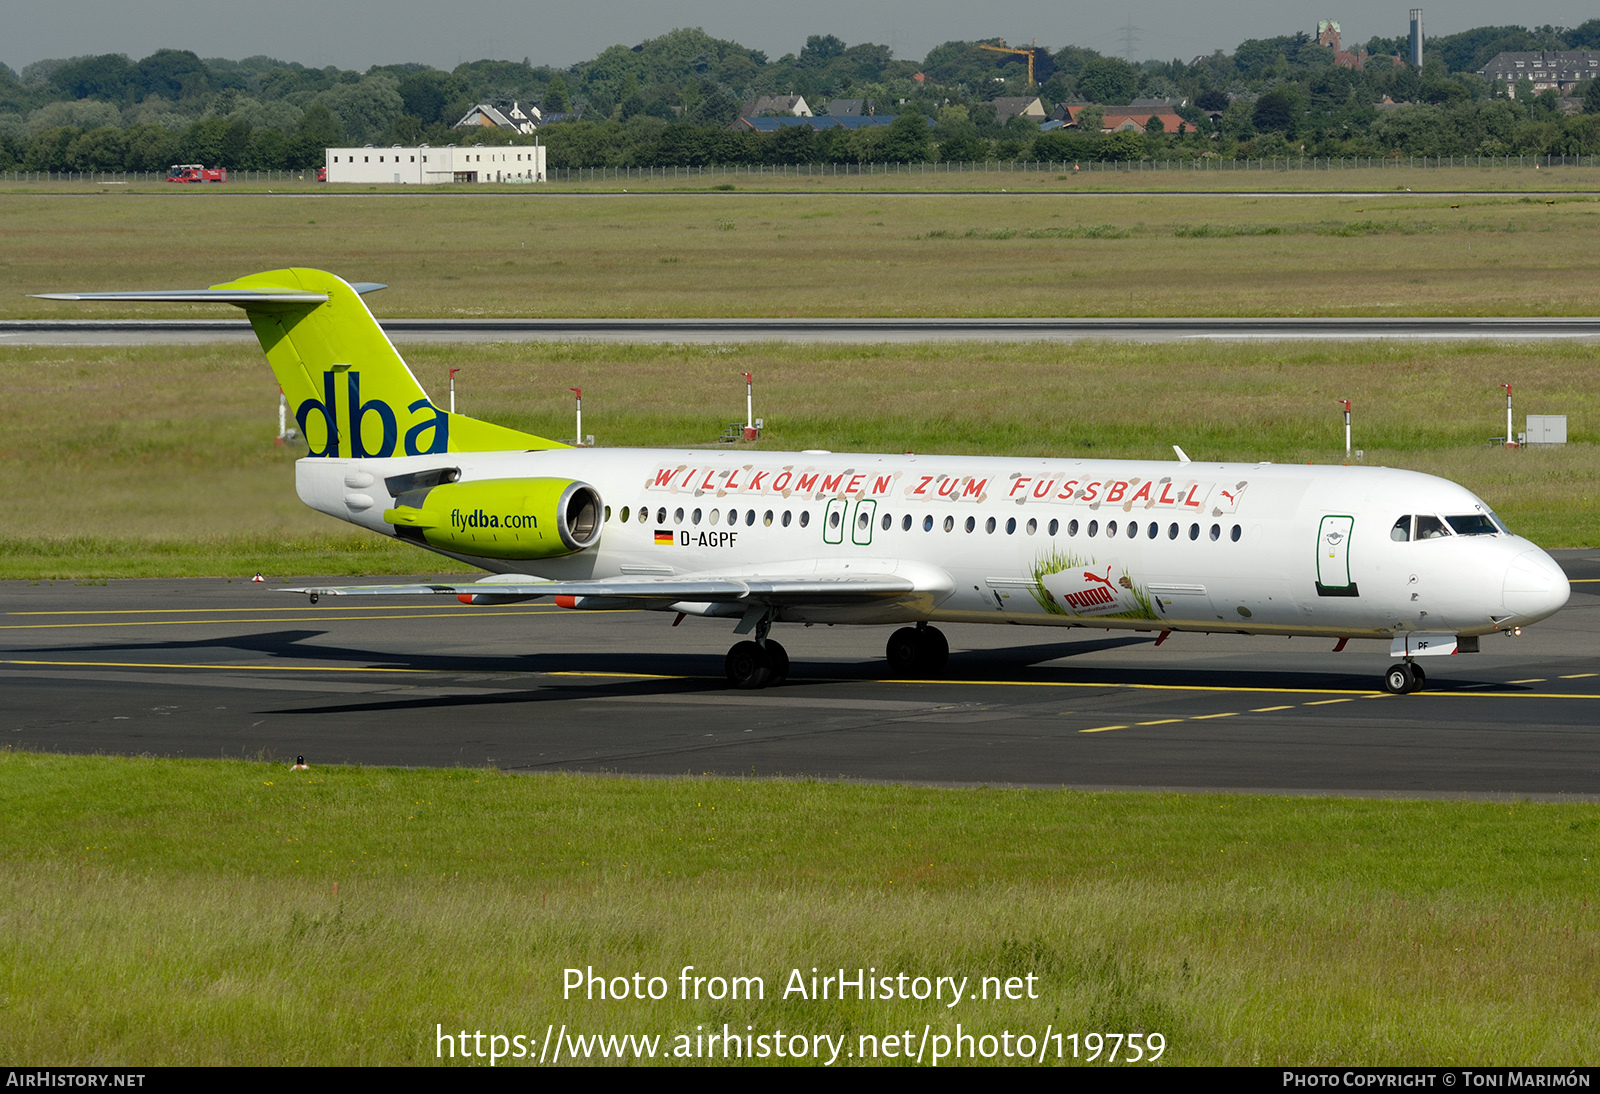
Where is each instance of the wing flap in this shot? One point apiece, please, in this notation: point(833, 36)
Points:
point(809, 589)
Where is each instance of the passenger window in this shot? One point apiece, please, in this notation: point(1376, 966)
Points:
point(1072, 527)
point(989, 526)
point(1194, 531)
point(927, 523)
point(1172, 532)
point(608, 513)
point(677, 518)
point(1236, 533)
point(971, 524)
point(1133, 529)
point(1216, 532)
point(805, 517)
point(694, 517)
point(949, 524)
point(888, 522)
point(1111, 528)
point(644, 515)
point(766, 519)
point(661, 516)
point(1055, 526)
point(833, 519)
point(1430, 527)
point(905, 523)
point(1033, 526)
point(714, 517)
point(786, 518)
point(750, 518)
point(1094, 527)
point(624, 514)
point(1011, 526)
point(1401, 532)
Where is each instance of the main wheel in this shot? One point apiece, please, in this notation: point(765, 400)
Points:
point(779, 658)
point(1422, 677)
point(747, 666)
point(935, 650)
point(1401, 679)
point(904, 650)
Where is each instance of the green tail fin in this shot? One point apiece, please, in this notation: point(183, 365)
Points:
point(350, 391)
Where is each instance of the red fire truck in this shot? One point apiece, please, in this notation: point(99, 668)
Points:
point(194, 172)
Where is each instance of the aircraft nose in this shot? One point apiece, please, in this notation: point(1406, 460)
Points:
point(1534, 586)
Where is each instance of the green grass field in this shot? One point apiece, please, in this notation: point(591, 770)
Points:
point(212, 912)
point(150, 461)
point(831, 253)
point(186, 912)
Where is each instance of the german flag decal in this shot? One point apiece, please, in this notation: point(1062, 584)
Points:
point(663, 537)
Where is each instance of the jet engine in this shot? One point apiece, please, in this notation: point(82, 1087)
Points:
point(499, 518)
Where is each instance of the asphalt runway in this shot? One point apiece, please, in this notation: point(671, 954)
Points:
point(128, 332)
point(209, 668)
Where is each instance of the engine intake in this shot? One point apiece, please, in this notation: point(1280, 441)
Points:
point(502, 518)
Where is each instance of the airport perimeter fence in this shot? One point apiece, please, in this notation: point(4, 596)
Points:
point(815, 170)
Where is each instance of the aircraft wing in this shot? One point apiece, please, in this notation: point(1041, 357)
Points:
point(823, 588)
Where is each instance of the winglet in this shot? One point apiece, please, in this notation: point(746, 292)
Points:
point(1183, 457)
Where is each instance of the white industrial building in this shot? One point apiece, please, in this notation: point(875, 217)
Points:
point(426, 166)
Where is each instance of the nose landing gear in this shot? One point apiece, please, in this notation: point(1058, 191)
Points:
point(921, 650)
point(1404, 677)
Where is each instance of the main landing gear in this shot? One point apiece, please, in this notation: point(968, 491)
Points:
point(919, 651)
point(759, 664)
point(1404, 677)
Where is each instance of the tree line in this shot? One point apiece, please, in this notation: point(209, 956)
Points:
point(670, 100)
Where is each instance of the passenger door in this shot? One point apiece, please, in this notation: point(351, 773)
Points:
point(1333, 557)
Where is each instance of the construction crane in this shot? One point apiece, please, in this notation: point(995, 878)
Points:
point(1003, 48)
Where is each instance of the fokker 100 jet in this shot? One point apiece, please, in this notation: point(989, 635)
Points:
point(759, 538)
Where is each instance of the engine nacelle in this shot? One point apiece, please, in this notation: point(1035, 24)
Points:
point(502, 518)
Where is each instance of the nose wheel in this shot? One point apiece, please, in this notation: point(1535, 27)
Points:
point(1404, 677)
point(920, 651)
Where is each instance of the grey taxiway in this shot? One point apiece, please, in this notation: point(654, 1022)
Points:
point(231, 668)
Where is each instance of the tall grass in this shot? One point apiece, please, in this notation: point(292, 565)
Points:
point(136, 461)
point(232, 912)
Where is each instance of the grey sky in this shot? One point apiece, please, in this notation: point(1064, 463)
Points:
point(359, 33)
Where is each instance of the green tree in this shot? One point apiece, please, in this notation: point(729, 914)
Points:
point(318, 131)
point(556, 98)
point(174, 74)
point(1591, 96)
point(1108, 80)
point(48, 150)
point(907, 139)
point(110, 77)
point(1277, 111)
point(150, 148)
point(103, 149)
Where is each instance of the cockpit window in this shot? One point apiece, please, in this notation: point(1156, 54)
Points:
point(1498, 523)
point(1473, 524)
point(1430, 527)
point(1401, 532)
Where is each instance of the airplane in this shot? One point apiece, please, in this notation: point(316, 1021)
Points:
point(816, 537)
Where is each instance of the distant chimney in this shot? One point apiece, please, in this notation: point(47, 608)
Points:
point(1416, 37)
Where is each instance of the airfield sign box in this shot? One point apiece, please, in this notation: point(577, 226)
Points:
point(1547, 429)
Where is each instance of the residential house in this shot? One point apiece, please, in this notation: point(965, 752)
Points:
point(1564, 71)
point(517, 118)
point(1024, 107)
point(776, 106)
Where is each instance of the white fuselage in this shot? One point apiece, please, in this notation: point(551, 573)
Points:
point(1250, 548)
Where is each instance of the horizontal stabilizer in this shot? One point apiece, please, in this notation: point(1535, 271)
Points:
point(241, 297)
